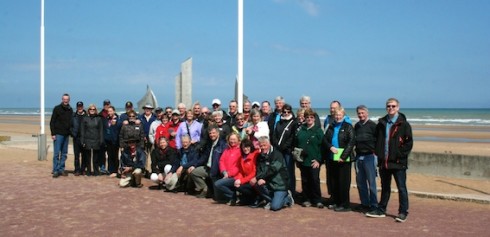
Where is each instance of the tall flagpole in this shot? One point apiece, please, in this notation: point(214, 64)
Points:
point(240, 56)
point(42, 136)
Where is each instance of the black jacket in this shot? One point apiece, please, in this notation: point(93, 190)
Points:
point(92, 135)
point(346, 139)
point(289, 128)
point(160, 158)
point(400, 143)
point(60, 122)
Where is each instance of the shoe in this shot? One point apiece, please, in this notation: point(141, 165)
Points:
point(361, 208)
point(257, 203)
point(342, 209)
point(332, 206)
point(291, 199)
point(267, 206)
point(232, 202)
point(113, 175)
point(64, 173)
point(76, 174)
point(319, 205)
point(401, 217)
point(55, 175)
point(376, 213)
point(306, 204)
point(202, 194)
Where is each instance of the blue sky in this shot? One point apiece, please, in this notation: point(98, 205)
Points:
point(428, 54)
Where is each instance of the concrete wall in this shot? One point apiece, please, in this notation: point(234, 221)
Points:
point(451, 165)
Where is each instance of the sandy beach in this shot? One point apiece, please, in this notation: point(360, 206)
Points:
point(29, 125)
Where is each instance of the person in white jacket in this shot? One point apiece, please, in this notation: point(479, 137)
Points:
point(257, 128)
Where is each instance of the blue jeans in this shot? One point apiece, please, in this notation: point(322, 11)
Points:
point(366, 180)
point(277, 198)
point(401, 183)
point(226, 187)
point(60, 146)
point(288, 158)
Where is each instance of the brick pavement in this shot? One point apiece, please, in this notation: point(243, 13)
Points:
point(33, 203)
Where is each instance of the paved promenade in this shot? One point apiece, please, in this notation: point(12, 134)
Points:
point(33, 203)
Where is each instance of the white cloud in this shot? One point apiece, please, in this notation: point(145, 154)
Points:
point(309, 6)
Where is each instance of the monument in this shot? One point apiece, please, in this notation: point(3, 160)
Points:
point(183, 84)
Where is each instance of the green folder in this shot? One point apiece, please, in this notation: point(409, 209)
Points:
point(336, 157)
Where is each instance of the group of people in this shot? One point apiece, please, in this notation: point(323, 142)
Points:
point(247, 158)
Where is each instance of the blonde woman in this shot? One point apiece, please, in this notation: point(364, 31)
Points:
point(91, 138)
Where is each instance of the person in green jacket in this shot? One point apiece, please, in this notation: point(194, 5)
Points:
point(309, 138)
point(271, 179)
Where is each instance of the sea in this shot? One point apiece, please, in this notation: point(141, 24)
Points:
point(416, 116)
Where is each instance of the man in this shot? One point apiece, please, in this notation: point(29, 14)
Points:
point(366, 162)
point(182, 108)
point(247, 107)
point(207, 167)
point(133, 160)
point(334, 105)
point(196, 110)
point(60, 125)
point(103, 148)
point(154, 125)
point(272, 178)
point(265, 110)
point(128, 107)
point(305, 103)
point(217, 107)
point(146, 119)
point(275, 117)
point(232, 111)
point(75, 132)
point(394, 142)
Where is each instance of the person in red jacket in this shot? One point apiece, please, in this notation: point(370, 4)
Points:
point(169, 129)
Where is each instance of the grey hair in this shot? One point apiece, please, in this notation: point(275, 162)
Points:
point(264, 139)
point(279, 98)
point(305, 97)
point(362, 107)
point(217, 112)
point(185, 136)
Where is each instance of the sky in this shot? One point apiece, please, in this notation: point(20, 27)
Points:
point(428, 54)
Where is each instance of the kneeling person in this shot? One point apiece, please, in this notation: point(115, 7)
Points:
point(132, 164)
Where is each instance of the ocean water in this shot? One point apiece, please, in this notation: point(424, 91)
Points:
point(450, 117)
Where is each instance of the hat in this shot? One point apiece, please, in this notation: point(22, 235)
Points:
point(158, 109)
point(79, 104)
point(107, 102)
point(135, 140)
point(129, 104)
point(148, 106)
point(216, 101)
point(175, 111)
point(255, 103)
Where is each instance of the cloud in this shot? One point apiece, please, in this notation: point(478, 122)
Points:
point(300, 51)
point(309, 6)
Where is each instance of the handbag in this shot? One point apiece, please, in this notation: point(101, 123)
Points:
point(297, 154)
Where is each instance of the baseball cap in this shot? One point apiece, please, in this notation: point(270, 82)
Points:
point(79, 104)
point(216, 101)
point(158, 109)
point(107, 102)
point(175, 111)
point(129, 104)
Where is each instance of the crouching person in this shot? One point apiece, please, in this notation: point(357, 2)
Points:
point(164, 163)
point(133, 160)
point(272, 179)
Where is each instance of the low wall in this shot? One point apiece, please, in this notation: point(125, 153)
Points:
point(451, 165)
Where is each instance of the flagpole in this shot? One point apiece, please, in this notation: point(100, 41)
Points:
point(42, 136)
point(240, 56)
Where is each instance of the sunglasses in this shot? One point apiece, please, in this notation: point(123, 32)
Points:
point(132, 116)
point(91, 109)
point(391, 106)
point(286, 112)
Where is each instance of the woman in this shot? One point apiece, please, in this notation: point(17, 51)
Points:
point(339, 142)
point(309, 138)
point(189, 127)
point(300, 117)
point(257, 128)
point(240, 126)
point(92, 137)
point(164, 162)
point(247, 170)
point(228, 167)
point(283, 138)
